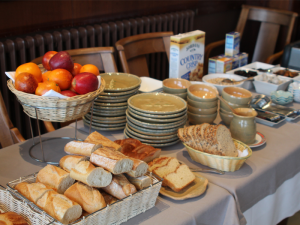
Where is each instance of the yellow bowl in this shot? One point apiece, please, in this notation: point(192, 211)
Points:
point(224, 163)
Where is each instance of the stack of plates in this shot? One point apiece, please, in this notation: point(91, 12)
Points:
point(110, 107)
point(154, 118)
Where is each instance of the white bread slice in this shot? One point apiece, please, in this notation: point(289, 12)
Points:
point(225, 143)
point(180, 178)
point(68, 162)
point(139, 168)
point(111, 160)
point(170, 167)
point(55, 177)
point(158, 162)
point(93, 176)
point(90, 199)
point(60, 207)
point(98, 138)
point(33, 192)
point(81, 148)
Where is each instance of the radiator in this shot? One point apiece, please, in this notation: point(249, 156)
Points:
point(24, 49)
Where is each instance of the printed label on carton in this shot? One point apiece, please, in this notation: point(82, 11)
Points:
point(243, 58)
point(224, 64)
point(212, 64)
point(187, 55)
point(232, 43)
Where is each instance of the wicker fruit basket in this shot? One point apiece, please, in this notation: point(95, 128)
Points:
point(55, 109)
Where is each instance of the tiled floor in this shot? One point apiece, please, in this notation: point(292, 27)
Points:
point(295, 219)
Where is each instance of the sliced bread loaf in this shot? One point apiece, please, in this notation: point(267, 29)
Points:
point(158, 162)
point(170, 167)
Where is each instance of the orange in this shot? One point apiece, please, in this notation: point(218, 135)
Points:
point(45, 76)
point(90, 68)
point(31, 68)
point(62, 77)
point(47, 86)
point(76, 69)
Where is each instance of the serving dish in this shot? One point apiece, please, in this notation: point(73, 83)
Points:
point(120, 82)
point(264, 87)
point(260, 139)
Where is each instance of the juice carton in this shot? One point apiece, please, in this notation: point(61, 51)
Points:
point(232, 43)
point(187, 55)
point(243, 58)
point(235, 62)
point(224, 64)
point(212, 63)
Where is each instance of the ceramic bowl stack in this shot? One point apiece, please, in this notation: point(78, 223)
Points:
point(109, 111)
point(294, 88)
point(176, 86)
point(236, 97)
point(281, 97)
point(154, 118)
point(202, 103)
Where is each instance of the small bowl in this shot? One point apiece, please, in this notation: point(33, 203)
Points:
point(236, 95)
point(198, 119)
point(201, 111)
point(202, 92)
point(181, 95)
point(223, 106)
point(202, 105)
point(225, 111)
point(226, 118)
point(175, 85)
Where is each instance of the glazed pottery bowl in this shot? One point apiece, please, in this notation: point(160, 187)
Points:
point(202, 92)
point(226, 118)
point(224, 106)
point(202, 105)
point(175, 85)
point(198, 119)
point(201, 111)
point(236, 95)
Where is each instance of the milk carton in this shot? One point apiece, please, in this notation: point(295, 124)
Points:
point(212, 63)
point(187, 55)
point(224, 64)
point(243, 58)
point(235, 62)
point(232, 43)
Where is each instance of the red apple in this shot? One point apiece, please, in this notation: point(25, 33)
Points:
point(26, 82)
point(46, 59)
point(84, 83)
point(68, 93)
point(62, 60)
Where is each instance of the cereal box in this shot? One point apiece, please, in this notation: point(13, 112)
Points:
point(232, 43)
point(187, 55)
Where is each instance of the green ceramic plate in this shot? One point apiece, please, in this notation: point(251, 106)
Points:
point(120, 82)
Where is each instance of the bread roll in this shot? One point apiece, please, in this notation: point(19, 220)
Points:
point(120, 187)
point(90, 199)
point(111, 160)
point(97, 138)
point(60, 207)
point(55, 177)
point(139, 168)
point(109, 199)
point(12, 218)
point(68, 162)
point(87, 173)
point(81, 148)
point(33, 192)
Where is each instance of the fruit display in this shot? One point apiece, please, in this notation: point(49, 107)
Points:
point(62, 75)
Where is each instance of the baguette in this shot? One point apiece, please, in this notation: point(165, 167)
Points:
point(120, 187)
point(68, 162)
point(87, 173)
point(90, 199)
point(97, 138)
point(81, 148)
point(60, 207)
point(12, 218)
point(139, 168)
point(111, 160)
point(109, 199)
point(55, 177)
point(33, 192)
point(140, 182)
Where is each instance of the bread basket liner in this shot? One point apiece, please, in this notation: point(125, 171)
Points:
point(116, 213)
point(224, 163)
point(55, 109)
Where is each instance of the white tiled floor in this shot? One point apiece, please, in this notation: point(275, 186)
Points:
point(295, 219)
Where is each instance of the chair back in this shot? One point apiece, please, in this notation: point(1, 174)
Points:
point(291, 56)
point(133, 51)
point(272, 21)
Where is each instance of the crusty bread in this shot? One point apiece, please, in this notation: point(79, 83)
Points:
point(87, 173)
point(120, 187)
point(109, 199)
point(60, 207)
point(139, 168)
point(225, 142)
point(33, 192)
point(170, 167)
point(140, 182)
point(111, 160)
point(68, 162)
point(12, 218)
point(97, 138)
point(81, 148)
point(180, 178)
point(90, 199)
point(158, 162)
point(131, 141)
point(55, 177)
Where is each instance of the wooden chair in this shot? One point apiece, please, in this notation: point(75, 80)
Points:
point(8, 133)
point(271, 22)
point(102, 57)
point(134, 49)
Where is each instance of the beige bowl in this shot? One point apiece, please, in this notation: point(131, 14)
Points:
point(236, 95)
point(224, 106)
point(202, 92)
point(198, 119)
point(225, 111)
point(175, 85)
point(202, 105)
point(201, 111)
point(224, 163)
point(226, 118)
point(181, 95)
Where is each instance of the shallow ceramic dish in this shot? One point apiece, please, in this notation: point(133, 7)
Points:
point(202, 92)
point(109, 113)
point(113, 97)
point(224, 106)
point(195, 189)
point(201, 111)
point(236, 95)
point(224, 163)
point(94, 123)
point(175, 85)
point(226, 118)
point(117, 100)
point(157, 103)
point(106, 93)
point(202, 105)
point(121, 81)
point(104, 121)
point(108, 118)
point(110, 108)
point(281, 97)
point(220, 87)
point(117, 104)
point(198, 119)
point(157, 115)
